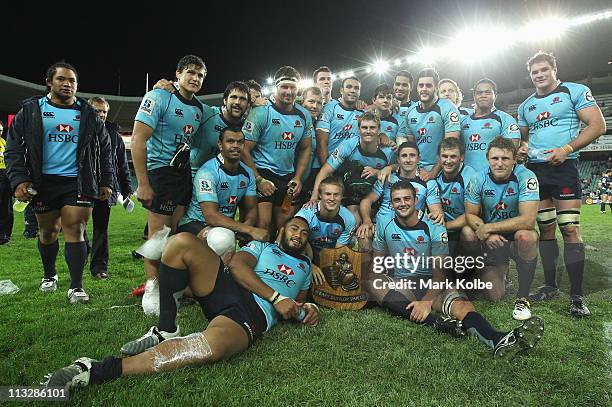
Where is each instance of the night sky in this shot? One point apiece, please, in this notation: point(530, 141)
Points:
point(112, 47)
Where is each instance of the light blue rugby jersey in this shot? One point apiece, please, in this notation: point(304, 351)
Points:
point(351, 151)
point(61, 126)
point(204, 146)
point(400, 116)
point(389, 126)
point(328, 233)
point(281, 271)
point(427, 193)
point(341, 125)
point(553, 119)
point(174, 120)
point(213, 184)
point(423, 240)
point(277, 136)
point(499, 200)
point(429, 127)
point(478, 132)
point(452, 192)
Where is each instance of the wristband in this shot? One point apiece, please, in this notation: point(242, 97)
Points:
point(278, 299)
point(566, 148)
point(273, 297)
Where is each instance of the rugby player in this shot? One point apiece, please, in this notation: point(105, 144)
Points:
point(452, 182)
point(382, 104)
point(58, 147)
point(278, 148)
point(549, 121)
point(163, 128)
point(402, 85)
point(338, 121)
point(221, 185)
point(357, 161)
point(427, 193)
point(263, 283)
point(407, 289)
point(486, 123)
point(501, 206)
point(322, 77)
point(431, 120)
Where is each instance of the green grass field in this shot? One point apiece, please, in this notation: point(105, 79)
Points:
point(352, 358)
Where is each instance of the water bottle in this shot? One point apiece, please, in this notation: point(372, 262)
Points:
point(538, 154)
point(127, 203)
point(301, 314)
point(20, 206)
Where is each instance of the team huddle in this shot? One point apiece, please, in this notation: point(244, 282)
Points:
point(454, 192)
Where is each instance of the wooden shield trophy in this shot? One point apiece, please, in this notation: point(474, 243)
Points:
point(344, 270)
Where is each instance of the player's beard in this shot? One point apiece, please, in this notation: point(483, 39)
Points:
point(285, 244)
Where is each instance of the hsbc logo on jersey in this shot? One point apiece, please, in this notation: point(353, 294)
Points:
point(543, 120)
point(347, 127)
point(543, 116)
point(232, 200)
point(64, 128)
point(188, 129)
point(287, 135)
point(501, 206)
point(446, 202)
point(474, 138)
point(422, 131)
point(285, 269)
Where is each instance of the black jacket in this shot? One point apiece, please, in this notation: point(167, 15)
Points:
point(24, 149)
point(122, 181)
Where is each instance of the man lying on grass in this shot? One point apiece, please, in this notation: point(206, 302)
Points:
point(241, 302)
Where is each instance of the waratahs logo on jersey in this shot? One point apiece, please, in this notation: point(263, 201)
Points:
point(510, 191)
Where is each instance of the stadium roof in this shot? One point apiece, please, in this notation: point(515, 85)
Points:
point(122, 108)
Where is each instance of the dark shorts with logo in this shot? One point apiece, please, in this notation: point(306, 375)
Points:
point(235, 302)
point(172, 187)
point(560, 182)
point(56, 192)
point(280, 181)
point(194, 227)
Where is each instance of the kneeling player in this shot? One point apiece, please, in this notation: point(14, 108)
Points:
point(411, 291)
point(219, 186)
point(501, 205)
point(263, 281)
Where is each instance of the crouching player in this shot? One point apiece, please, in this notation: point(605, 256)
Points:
point(415, 287)
point(501, 205)
point(264, 281)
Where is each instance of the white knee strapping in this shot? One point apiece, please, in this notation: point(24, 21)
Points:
point(450, 297)
point(546, 216)
point(568, 217)
point(193, 348)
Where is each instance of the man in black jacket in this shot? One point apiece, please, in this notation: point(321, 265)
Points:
point(58, 156)
point(121, 183)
